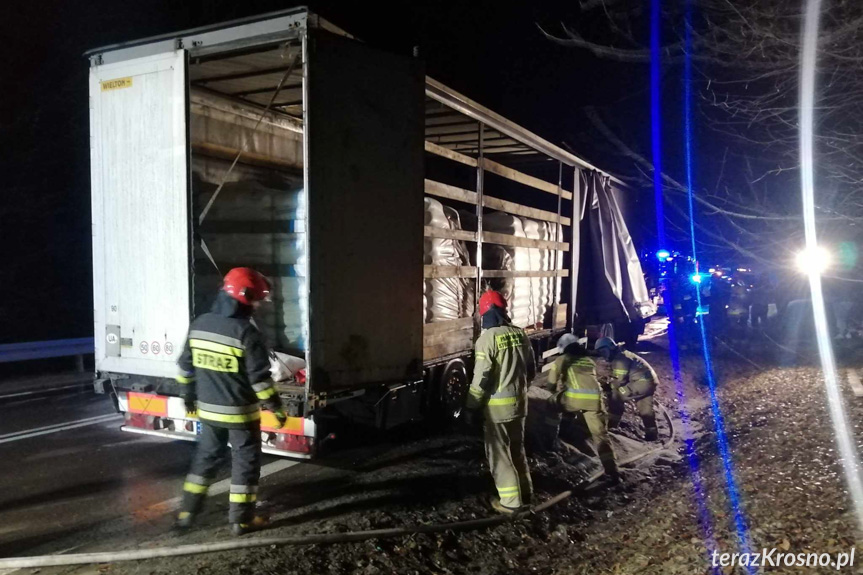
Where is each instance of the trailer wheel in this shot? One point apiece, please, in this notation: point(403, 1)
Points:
point(452, 389)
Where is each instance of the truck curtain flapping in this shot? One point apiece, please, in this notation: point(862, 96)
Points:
point(610, 278)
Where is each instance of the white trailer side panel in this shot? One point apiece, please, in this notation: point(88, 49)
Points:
point(140, 196)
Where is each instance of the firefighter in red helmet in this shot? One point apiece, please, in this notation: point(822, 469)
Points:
point(224, 370)
point(504, 365)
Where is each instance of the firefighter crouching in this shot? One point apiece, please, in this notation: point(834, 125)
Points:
point(576, 392)
point(504, 366)
point(631, 379)
point(224, 368)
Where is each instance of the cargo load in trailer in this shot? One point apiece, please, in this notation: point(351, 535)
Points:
point(347, 177)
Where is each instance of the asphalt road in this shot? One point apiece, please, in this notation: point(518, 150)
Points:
point(69, 476)
point(67, 466)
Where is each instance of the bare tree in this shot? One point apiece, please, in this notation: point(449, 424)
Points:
point(745, 56)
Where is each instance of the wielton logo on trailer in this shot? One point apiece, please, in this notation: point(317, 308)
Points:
point(116, 84)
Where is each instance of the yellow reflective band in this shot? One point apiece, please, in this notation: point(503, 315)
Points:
point(223, 418)
point(582, 395)
point(243, 497)
point(476, 392)
point(183, 379)
point(215, 361)
point(266, 394)
point(503, 401)
point(194, 487)
point(217, 347)
point(620, 371)
point(481, 355)
point(507, 490)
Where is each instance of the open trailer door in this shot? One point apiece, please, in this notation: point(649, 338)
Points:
point(364, 138)
point(140, 208)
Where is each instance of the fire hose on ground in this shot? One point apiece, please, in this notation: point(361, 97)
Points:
point(629, 460)
point(317, 539)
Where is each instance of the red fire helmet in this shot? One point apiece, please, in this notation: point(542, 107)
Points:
point(491, 298)
point(246, 286)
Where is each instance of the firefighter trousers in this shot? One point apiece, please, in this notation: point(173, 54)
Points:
point(245, 469)
point(597, 428)
point(616, 406)
point(507, 460)
point(597, 424)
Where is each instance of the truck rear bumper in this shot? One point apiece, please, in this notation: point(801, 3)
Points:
point(188, 437)
point(165, 416)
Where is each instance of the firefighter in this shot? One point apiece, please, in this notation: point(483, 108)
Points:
point(503, 368)
point(224, 369)
point(630, 378)
point(576, 390)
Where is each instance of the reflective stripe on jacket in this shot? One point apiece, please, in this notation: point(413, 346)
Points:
point(503, 368)
point(225, 366)
point(573, 379)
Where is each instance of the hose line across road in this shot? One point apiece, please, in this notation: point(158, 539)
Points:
point(318, 539)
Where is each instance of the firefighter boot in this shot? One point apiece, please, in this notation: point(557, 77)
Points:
point(651, 433)
point(256, 524)
point(184, 521)
point(503, 509)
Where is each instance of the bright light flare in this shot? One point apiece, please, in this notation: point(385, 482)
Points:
point(844, 437)
point(813, 260)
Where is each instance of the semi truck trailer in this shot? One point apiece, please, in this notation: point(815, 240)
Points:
point(379, 202)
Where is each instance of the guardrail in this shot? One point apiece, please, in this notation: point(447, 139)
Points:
point(44, 349)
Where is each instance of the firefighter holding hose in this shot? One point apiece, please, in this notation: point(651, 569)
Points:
point(630, 378)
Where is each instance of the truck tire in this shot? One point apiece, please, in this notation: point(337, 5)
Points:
point(451, 390)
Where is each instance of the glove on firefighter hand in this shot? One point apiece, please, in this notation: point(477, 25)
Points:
point(281, 417)
point(191, 405)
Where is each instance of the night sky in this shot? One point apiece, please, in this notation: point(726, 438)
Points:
point(490, 51)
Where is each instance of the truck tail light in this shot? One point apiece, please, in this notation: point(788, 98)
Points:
point(141, 421)
point(295, 443)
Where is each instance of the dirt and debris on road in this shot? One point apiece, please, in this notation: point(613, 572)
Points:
point(673, 509)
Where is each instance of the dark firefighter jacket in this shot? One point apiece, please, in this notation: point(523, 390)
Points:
point(225, 366)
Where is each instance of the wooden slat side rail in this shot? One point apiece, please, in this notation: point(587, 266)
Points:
point(446, 191)
point(444, 234)
point(520, 210)
point(522, 178)
point(446, 337)
point(462, 345)
point(440, 190)
point(446, 153)
point(515, 241)
point(435, 272)
point(442, 327)
point(525, 273)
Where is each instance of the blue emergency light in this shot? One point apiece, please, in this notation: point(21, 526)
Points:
point(663, 255)
point(696, 278)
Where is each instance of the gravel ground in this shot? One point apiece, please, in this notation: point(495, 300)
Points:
point(672, 512)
